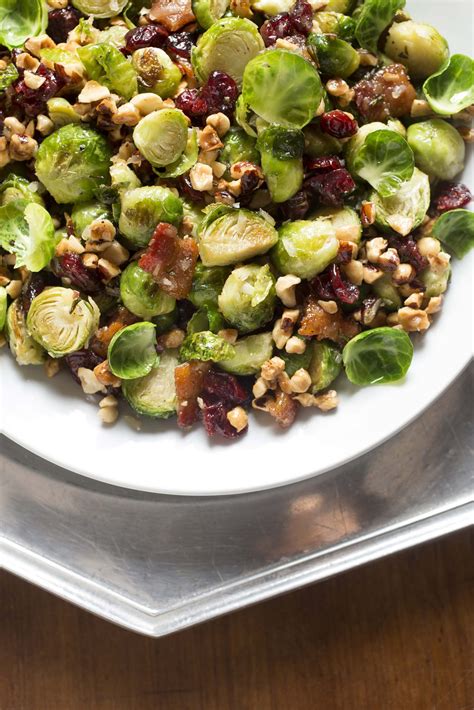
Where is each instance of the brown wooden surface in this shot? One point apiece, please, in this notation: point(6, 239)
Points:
point(395, 635)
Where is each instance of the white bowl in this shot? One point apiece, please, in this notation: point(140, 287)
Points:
point(52, 419)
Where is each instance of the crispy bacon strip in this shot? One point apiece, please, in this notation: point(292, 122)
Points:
point(173, 14)
point(170, 260)
point(316, 322)
point(189, 380)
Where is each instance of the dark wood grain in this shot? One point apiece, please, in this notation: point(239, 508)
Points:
point(395, 635)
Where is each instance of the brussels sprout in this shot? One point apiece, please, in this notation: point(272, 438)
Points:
point(439, 149)
point(192, 218)
point(395, 125)
point(248, 298)
point(385, 289)
point(375, 16)
point(456, 230)
point(335, 56)
point(305, 247)
point(226, 46)
point(378, 356)
point(107, 65)
point(132, 351)
point(344, 6)
point(205, 346)
point(296, 361)
point(20, 19)
point(85, 213)
point(73, 162)
point(245, 118)
point(418, 46)
point(27, 230)
point(209, 11)
point(281, 151)
point(3, 307)
point(15, 187)
point(8, 76)
point(334, 23)
point(238, 146)
point(161, 137)
point(123, 177)
point(272, 7)
point(452, 89)
point(165, 322)
point(155, 394)
point(250, 354)
point(207, 285)
point(185, 161)
point(411, 203)
point(143, 208)
point(325, 365)
point(61, 321)
point(156, 71)
point(100, 8)
point(345, 220)
point(436, 277)
point(282, 87)
point(142, 295)
point(318, 143)
point(114, 35)
point(61, 112)
point(24, 349)
point(231, 235)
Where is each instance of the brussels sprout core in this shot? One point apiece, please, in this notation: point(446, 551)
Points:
point(161, 137)
point(411, 202)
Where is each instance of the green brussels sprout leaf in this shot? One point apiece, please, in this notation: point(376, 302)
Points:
point(325, 364)
point(107, 65)
point(248, 298)
point(141, 294)
point(456, 230)
point(385, 161)
point(15, 187)
point(207, 284)
point(281, 150)
point(250, 354)
point(374, 17)
point(8, 76)
point(20, 19)
point(238, 146)
point(205, 318)
point(378, 356)
point(155, 394)
point(27, 230)
point(335, 56)
point(132, 351)
point(205, 346)
point(451, 90)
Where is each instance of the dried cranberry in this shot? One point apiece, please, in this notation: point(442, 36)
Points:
point(321, 287)
point(220, 92)
point(187, 189)
point(82, 358)
point(331, 188)
point(36, 283)
point(325, 164)
point(192, 103)
point(180, 44)
point(152, 35)
point(214, 417)
point(70, 265)
point(33, 101)
point(278, 27)
point(408, 252)
point(249, 182)
point(452, 196)
point(331, 286)
point(302, 17)
point(296, 207)
point(61, 22)
point(344, 255)
point(221, 387)
point(338, 124)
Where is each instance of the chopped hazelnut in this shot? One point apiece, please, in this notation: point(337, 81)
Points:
point(285, 289)
point(295, 345)
point(12, 126)
point(413, 320)
point(116, 253)
point(220, 122)
point(389, 260)
point(403, 274)
point(327, 401)
point(33, 81)
point(34, 45)
point(69, 244)
point(428, 246)
point(108, 270)
point(230, 335)
point(108, 415)
point(329, 306)
point(51, 367)
point(22, 147)
point(201, 177)
point(92, 92)
point(209, 139)
point(44, 125)
point(415, 300)
point(260, 387)
point(271, 368)
point(126, 115)
point(371, 274)
point(354, 271)
point(89, 382)
point(14, 288)
point(374, 248)
point(147, 103)
point(301, 381)
point(105, 375)
point(434, 305)
point(173, 339)
point(238, 418)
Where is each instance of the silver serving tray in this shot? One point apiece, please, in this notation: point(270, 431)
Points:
point(156, 564)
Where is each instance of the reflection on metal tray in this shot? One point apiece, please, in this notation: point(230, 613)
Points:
point(159, 563)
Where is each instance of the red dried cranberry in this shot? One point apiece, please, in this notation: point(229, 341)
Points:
point(152, 35)
point(331, 188)
point(220, 92)
point(36, 283)
point(278, 27)
point(214, 417)
point(82, 358)
point(221, 387)
point(452, 196)
point(180, 44)
point(191, 103)
point(321, 287)
point(338, 124)
point(344, 255)
point(296, 207)
point(408, 252)
point(61, 22)
point(331, 286)
point(302, 17)
point(70, 265)
point(33, 101)
point(325, 164)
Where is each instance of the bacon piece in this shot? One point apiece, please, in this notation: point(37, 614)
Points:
point(387, 92)
point(189, 380)
point(334, 326)
point(173, 14)
point(280, 406)
point(170, 260)
point(103, 336)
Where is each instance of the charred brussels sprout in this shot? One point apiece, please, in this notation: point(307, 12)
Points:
point(305, 247)
point(155, 394)
point(439, 149)
point(250, 354)
point(132, 351)
point(73, 162)
point(25, 350)
point(378, 356)
point(406, 209)
point(325, 364)
point(15, 187)
point(205, 346)
point(143, 208)
point(418, 46)
point(248, 298)
point(100, 8)
point(85, 213)
point(142, 295)
point(106, 64)
point(162, 136)
point(208, 282)
point(227, 46)
point(61, 321)
point(27, 230)
point(335, 56)
point(281, 152)
point(238, 146)
point(156, 71)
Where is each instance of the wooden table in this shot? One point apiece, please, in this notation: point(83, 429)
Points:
point(395, 635)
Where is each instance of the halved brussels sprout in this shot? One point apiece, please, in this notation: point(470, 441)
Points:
point(205, 346)
point(85, 213)
point(132, 351)
point(208, 282)
point(61, 112)
point(250, 354)
point(209, 11)
point(248, 298)
point(271, 7)
point(456, 230)
point(156, 71)
point(317, 143)
point(439, 149)
point(15, 187)
point(100, 8)
point(334, 23)
point(325, 365)
point(143, 208)
point(3, 307)
point(185, 161)
point(305, 247)
point(27, 230)
point(335, 56)
point(141, 294)
point(385, 289)
point(238, 146)
point(115, 35)
point(374, 17)
point(206, 318)
point(345, 220)
point(24, 349)
point(378, 356)
point(411, 203)
point(106, 64)
point(418, 46)
point(245, 118)
point(7, 76)
point(61, 321)
point(228, 235)
point(282, 87)
point(281, 150)
point(73, 162)
point(435, 278)
point(123, 177)
point(452, 89)
point(161, 137)
point(155, 394)
point(20, 19)
point(227, 46)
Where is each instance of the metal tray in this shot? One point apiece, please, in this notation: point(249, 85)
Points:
point(156, 564)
